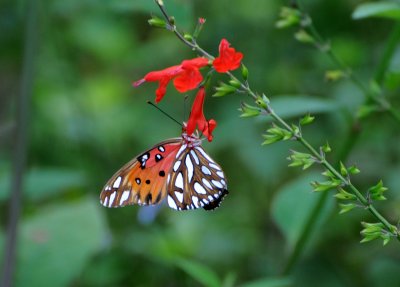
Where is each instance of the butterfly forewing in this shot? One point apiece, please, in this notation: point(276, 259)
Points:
point(142, 180)
point(195, 181)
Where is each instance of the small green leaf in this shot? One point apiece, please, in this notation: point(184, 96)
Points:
point(343, 169)
point(346, 207)
point(326, 185)
point(353, 170)
point(382, 9)
point(334, 75)
point(328, 174)
point(235, 83)
point(303, 37)
point(245, 72)
point(344, 195)
point(249, 111)
point(288, 17)
point(307, 119)
point(188, 37)
point(371, 231)
point(326, 148)
point(157, 22)
point(376, 192)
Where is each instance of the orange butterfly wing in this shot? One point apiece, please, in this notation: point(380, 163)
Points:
point(143, 180)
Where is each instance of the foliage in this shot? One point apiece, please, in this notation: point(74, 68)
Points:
point(86, 121)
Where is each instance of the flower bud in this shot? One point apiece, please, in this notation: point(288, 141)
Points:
point(157, 22)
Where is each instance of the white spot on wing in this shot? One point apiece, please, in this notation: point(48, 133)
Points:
point(223, 182)
point(220, 174)
point(189, 166)
point(179, 196)
point(117, 182)
point(205, 170)
point(204, 154)
point(207, 183)
point(199, 189)
point(196, 159)
point(124, 197)
point(112, 197)
point(217, 184)
point(105, 203)
point(214, 166)
point(176, 165)
point(211, 198)
point(179, 181)
point(183, 147)
point(108, 187)
point(171, 202)
point(195, 201)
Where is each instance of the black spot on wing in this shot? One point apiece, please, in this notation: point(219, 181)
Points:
point(216, 203)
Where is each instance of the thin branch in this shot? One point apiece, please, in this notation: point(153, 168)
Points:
point(20, 150)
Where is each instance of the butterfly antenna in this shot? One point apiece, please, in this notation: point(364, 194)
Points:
point(152, 104)
point(185, 99)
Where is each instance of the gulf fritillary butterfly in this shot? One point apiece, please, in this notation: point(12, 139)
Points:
point(178, 169)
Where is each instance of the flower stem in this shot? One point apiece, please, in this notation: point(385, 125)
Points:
point(245, 87)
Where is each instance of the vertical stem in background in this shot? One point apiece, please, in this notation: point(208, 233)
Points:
point(351, 139)
point(20, 142)
point(390, 48)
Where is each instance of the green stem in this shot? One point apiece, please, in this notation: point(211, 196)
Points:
point(388, 53)
point(300, 138)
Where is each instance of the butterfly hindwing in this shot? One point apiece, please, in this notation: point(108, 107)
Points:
point(142, 180)
point(196, 180)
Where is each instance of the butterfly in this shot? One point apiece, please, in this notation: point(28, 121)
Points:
point(177, 169)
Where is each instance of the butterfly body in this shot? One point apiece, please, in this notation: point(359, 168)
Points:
point(177, 169)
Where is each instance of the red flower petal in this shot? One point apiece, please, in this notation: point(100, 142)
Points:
point(198, 119)
point(188, 80)
point(187, 77)
point(228, 58)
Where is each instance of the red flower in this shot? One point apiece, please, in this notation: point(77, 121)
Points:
point(197, 117)
point(228, 58)
point(186, 77)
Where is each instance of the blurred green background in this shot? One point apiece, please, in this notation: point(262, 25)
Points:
point(86, 121)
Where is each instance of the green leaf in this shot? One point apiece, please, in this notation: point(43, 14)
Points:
point(288, 106)
point(303, 37)
point(326, 148)
point(343, 169)
point(245, 72)
point(344, 195)
point(346, 207)
point(382, 9)
point(293, 205)
point(307, 119)
point(57, 242)
point(376, 192)
point(42, 183)
point(334, 75)
point(203, 274)
point(353, 170)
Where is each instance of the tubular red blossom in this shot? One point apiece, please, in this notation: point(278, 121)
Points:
point(197, 117)
point(228, 58)
point(186, 77)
